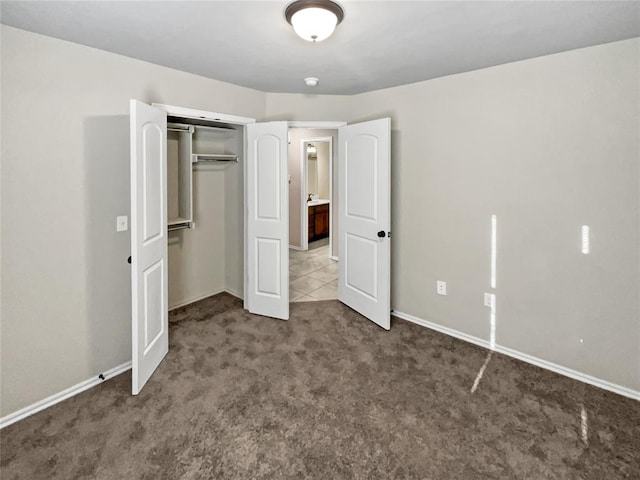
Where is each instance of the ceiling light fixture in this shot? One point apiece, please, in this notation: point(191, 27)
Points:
point(311, 81)
point(314, 20)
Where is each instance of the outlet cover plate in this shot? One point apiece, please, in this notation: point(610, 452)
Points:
point(489, 299)
point(441, 287)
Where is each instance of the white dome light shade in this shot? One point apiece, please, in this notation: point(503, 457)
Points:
point(314, 24)
point(314, 20)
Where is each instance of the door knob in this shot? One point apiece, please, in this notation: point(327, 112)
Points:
point(381, 234)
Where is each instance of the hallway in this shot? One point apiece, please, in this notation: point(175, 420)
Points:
point(312, 274)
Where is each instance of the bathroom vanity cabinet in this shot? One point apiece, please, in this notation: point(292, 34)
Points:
point(318, 221)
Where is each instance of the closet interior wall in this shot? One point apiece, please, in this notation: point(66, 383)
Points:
point(206, 258)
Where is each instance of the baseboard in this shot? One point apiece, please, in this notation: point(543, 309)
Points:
point(295, 247)
point(63, 395)
point(567, 372)
point(234, 293)
point(92, 382)
point(197, 299)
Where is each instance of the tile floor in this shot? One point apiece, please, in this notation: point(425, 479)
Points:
point(312, 274)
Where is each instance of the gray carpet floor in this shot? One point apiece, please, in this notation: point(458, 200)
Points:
point(327, 395)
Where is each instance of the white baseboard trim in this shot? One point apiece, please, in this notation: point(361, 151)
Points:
point(295, 247)
point(207, 295)
point(234, 293)
point(567, 372)
point(91, 382)
point(197, 299)
point(63, 395)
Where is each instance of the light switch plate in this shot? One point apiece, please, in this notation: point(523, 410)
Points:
point(122, 223)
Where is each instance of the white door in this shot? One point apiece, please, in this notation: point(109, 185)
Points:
point(267, 220)
point(150, 326)
point(364, 219)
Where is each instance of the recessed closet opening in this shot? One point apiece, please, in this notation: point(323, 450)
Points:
point(204, 205)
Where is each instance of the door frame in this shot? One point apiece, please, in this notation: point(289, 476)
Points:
point(186, 112)
point(304, 207)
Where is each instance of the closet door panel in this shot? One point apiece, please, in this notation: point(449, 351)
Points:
point(150, 324)
point(267, 220)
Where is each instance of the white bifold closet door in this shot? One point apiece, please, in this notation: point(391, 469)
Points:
point(149, 290)
point(364, 164)
point(267, 206)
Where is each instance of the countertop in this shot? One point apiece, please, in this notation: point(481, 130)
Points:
point(320, 201)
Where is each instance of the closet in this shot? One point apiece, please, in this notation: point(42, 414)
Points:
point(224, 200)
point(205, 197)
point(187, 218)
point(204, 192)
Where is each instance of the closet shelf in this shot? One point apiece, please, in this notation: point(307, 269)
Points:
point(213, 157)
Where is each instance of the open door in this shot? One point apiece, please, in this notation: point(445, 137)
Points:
point(150, 325)
point(267, 220)
point(364, 219)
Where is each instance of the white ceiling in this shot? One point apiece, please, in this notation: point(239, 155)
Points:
point(379, 44)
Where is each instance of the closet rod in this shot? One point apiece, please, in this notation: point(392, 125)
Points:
point(179, 127)
point(179, 226)
point(208, 127)
point(187, 126)
point(213, 157)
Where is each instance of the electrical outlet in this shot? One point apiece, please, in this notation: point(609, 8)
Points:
point(122, 224)
point(489, 300)
point(441, 287)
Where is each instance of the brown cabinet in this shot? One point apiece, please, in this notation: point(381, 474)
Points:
point(318, 222)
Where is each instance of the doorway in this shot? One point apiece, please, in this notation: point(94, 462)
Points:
point(313, 267)
point(316, 197)
point(313, 275)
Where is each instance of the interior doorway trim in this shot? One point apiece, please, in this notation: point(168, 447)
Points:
point(304, 212)
point(318, 125)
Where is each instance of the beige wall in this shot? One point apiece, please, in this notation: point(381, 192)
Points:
point(548, 145)
point(312, 176)
point(65, 177)
point(323, 169)
point(291, 106)
point(196, 266)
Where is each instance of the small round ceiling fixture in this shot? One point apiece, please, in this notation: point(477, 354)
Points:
point(311, 81)
point(314, 20)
